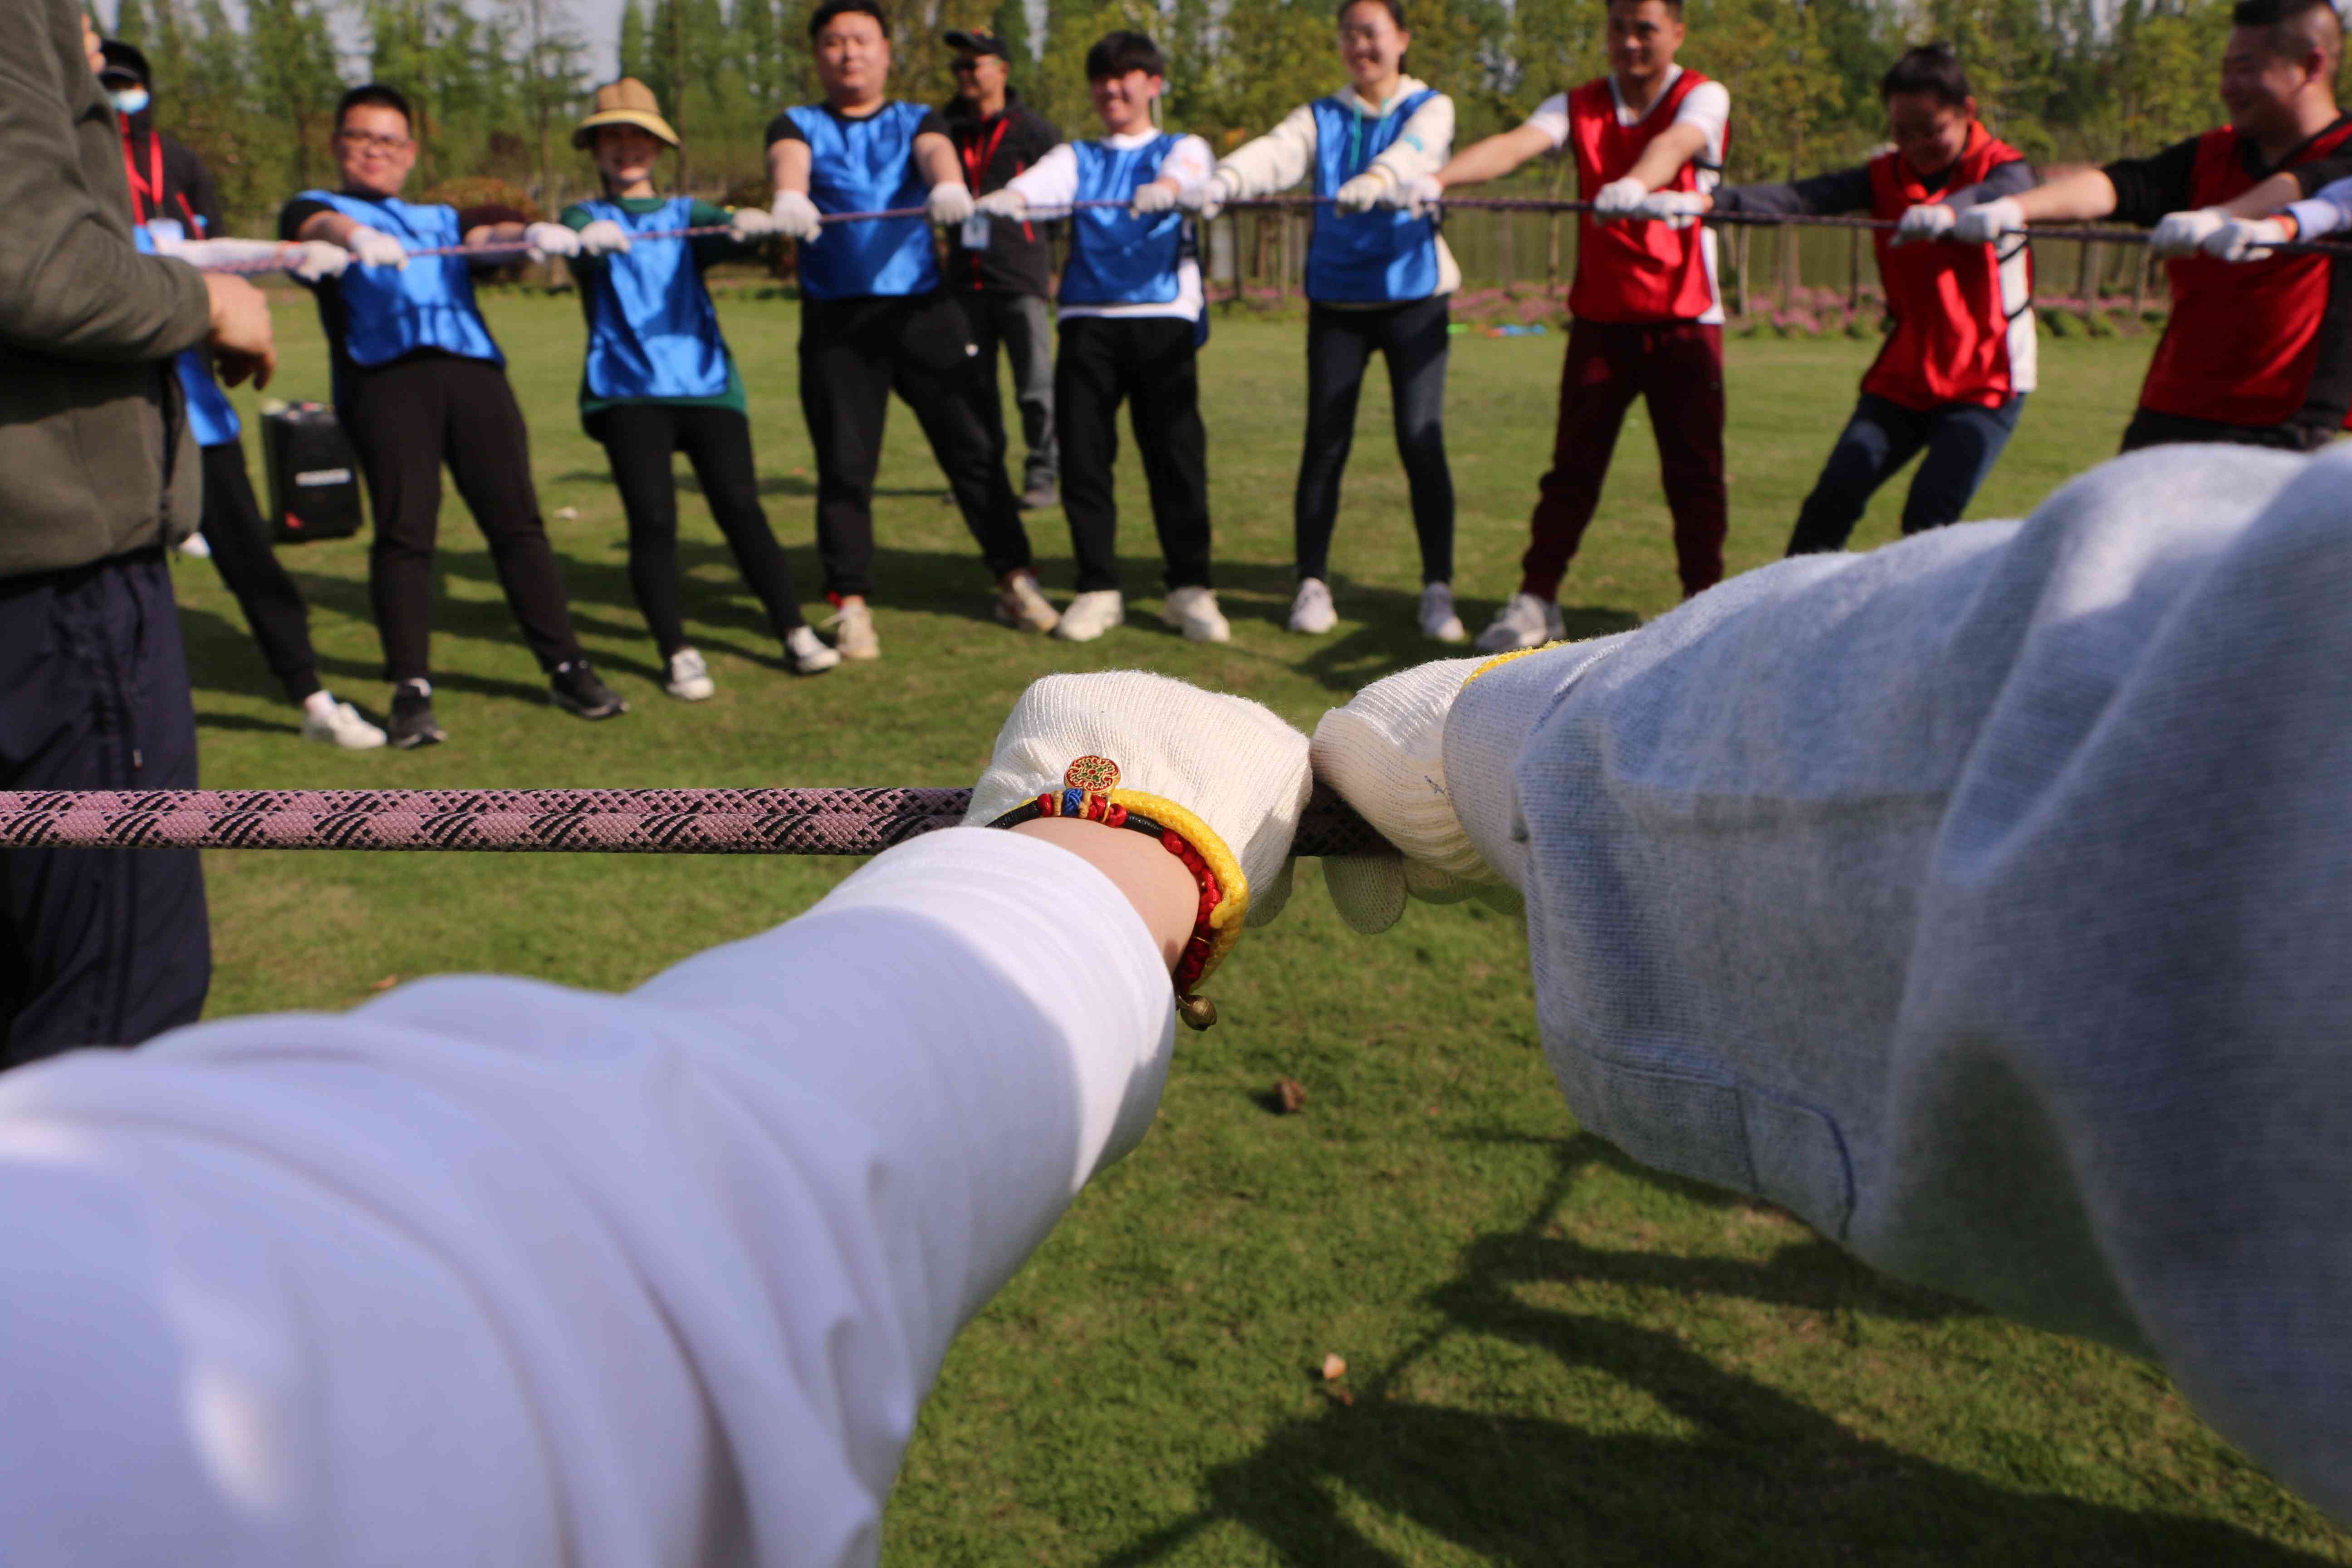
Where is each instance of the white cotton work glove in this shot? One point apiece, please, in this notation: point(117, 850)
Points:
point(314, 260)
point(1232, 763)
point(1928, 220)
point(1207, 199)
point(541, 240)
point(796, 216)
point(2247, 239)
point(1987, 222)
point(749, 225)
point(2177, 234)
point(1676, 209)
point(373, 247)
point(1618, 199)
point(1384, 752)
point(603, 237)
point(950, 203)
point(1154, 198)
point(1420, 195)
point(1363, 193)
point(1007, 203)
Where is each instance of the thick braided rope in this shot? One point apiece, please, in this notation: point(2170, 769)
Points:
point(605, 821)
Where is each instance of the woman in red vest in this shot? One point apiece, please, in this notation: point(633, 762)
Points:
point(1952, 375)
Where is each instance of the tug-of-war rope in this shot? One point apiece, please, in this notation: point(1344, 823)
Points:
point(831, 821)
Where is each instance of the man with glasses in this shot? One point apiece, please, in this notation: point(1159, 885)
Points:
point(1006, 282)
point(418, 382)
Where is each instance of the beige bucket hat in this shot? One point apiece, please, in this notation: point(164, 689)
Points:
point(627, 101)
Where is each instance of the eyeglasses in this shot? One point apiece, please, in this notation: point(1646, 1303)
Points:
point(963, 66)
point(367, 142)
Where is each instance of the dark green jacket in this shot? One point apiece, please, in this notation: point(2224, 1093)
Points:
point(95, 456)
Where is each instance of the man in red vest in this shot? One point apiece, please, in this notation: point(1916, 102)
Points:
point(1648, 319)
point(1952, 375)
point(2260, 353)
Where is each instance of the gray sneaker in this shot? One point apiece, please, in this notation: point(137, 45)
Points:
point(1044, 495)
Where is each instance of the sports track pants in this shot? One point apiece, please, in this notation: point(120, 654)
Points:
point(853, 354)
point(1676, 367)
point(1963, 440)
point(1152, 363)
point(242, 553)
point(1340, 346)
point(405, 419)
point(642, 439)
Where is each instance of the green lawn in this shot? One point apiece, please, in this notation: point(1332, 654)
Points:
point(1553, 1357)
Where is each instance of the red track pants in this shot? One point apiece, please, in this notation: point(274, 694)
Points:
point(1677, 368)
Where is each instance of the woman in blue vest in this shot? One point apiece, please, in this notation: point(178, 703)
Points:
point(1378, 280)
point(660, 380)
point(1130, 303)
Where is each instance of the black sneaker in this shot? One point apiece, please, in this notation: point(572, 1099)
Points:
point(577, 689)
point(412, 724)
point(1042, 496)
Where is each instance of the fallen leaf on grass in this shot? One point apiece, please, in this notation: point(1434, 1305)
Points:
point(1289, 1094)
point(567, 514)
point(1334, 1369)
point(386, 983)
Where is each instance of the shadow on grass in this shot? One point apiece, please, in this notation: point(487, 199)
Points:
point(803, 486)
point(1763, 1477)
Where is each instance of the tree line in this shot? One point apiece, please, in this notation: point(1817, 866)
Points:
point(499, 87)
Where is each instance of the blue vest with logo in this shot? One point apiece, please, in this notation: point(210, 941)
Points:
point(1117, 258)
point(211, 416)
point(428, 304)
point(652, 331)
point(862, 166)
point(1369, 258)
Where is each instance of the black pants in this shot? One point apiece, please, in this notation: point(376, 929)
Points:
point(1963, 440)
point(98, 947)
point(243, 556)
point(1339, 344)
point(1023, 325)
point(1152, 363)
point(641, 438)
point(405, 419)
point(2149, 428)
point(853, 354)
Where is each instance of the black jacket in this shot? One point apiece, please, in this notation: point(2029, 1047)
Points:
point(188, 196)
point(1020, 257)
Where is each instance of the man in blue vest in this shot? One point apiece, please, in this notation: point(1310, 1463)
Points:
point(875, 320)
point(419, 382)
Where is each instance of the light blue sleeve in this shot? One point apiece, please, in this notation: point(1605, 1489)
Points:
point(2323, 211)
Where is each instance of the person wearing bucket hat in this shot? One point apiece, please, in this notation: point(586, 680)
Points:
point(658, 379)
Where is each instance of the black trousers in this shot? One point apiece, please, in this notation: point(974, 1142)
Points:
point(1962, 440)
point(1340, 346)
point(1023, 325)
point(1151, 363)
point(246, 563)
point(853, 354)
point(2149, 428)
point(407, 418)
point(98, 947)
point(642, 439)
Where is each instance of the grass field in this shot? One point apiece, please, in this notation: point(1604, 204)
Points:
point(1553, 1357)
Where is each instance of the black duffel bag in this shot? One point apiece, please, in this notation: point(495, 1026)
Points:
point(314, 475)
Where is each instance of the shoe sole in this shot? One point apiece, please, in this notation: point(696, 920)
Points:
point(581, 710)
point(1314, 631)
point(1021, 623)
point(690, 694)
point(410, 742)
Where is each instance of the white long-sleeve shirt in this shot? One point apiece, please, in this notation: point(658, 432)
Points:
point(490, 1271)
point(1285, 156)
point(1052, 185)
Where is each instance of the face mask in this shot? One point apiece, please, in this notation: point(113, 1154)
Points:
point(130, 100)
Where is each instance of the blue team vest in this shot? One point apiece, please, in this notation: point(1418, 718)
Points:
point(1116, 258)
point(210, 415)
point(863, 166)
point(428, 304)
point(1378, 256)
point(652, 332)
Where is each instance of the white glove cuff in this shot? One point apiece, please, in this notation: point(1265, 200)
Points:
point(1485, 734)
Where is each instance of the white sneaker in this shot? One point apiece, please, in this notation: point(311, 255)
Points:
point(1091, 614)
point(689, 677)
point(341, 725)
point(1311, 614)
point(1438, 621)
point(1524, 621)
point(197, 546)
point(1020, 604)
point(809, 655)
point(1193, 611)
point(853, 632)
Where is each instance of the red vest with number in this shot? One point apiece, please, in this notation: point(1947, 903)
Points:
point(1632, 271)
point(2244, 336)
point(1963, 321)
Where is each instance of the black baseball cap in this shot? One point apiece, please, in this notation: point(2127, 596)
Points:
point(123, 61)
point(979, 43)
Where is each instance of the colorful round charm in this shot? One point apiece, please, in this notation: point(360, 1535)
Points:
point(1098, 774)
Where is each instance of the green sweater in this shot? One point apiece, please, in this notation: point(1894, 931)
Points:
point(588, 277)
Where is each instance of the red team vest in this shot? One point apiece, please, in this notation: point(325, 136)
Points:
point(1951, 338)
point(1632, 271)
point(2244, 336)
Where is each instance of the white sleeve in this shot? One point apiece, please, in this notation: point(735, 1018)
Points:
point(1189, 163)
point(492, 1271)
point(1709, 107)
point(2323, 211)
point(1423, 143)
point(1052, 181)
point(1551, 118)
point(1987, 900)
point(1275, 161)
